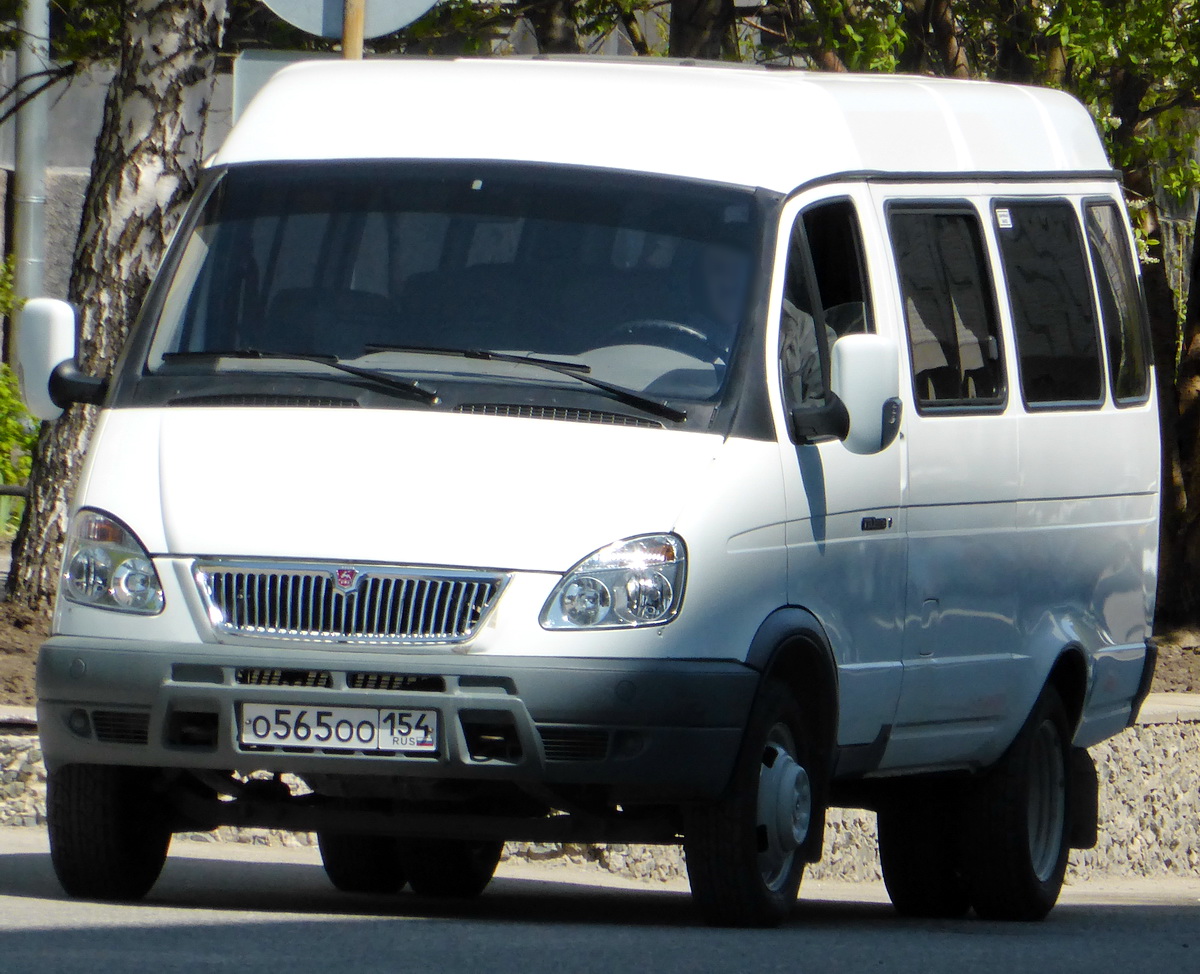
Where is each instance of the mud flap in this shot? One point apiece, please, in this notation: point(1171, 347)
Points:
point(1083, 800)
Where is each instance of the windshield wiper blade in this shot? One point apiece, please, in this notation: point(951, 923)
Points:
point(483, 354)
point(404, 388)
point(575, 370)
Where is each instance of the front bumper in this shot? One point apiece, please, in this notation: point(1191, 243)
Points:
point(652, 730)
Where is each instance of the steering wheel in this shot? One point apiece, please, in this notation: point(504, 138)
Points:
point(669, 334)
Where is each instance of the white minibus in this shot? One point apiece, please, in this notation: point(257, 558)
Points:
point(579, 451)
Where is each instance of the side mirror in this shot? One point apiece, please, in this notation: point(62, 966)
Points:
point(866, 379)
point(45, 360)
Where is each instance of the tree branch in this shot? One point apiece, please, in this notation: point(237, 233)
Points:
point(52, 77)
point(633, 30)
point(1185, 99)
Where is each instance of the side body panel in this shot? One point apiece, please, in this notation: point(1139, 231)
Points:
point(963, 556)
point(850, 578)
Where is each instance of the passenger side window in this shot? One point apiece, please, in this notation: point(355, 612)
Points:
point(1051, 298)
point(1121, 307)
point(825, 294)
point(949, 307)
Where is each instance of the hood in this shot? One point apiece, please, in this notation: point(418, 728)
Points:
point(411, 487)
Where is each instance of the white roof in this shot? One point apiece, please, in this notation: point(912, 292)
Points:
point(742, 125)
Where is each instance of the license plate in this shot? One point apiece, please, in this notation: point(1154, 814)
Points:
point(348, 728)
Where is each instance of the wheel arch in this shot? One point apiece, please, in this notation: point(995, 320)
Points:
point(1069, 676)
point(791, 646)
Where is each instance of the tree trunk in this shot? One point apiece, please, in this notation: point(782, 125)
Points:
point(1015, 47)
point(147, 158)
point(1179, 591)
point(949, 43)
point(554, 27)
point(698, 28)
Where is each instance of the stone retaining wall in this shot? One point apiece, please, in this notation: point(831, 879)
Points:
point(1149, 816)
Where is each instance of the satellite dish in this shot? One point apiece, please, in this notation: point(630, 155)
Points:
point(324, 17)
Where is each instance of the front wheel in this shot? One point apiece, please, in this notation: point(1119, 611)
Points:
point(449, 868)
point(109, 831)
point(1016, 837)
point(745, 851)
point(918, 854)
point(361, 863)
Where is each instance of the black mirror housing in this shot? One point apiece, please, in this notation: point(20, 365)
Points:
point(68, 385)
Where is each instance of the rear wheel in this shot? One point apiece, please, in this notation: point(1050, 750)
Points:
point(918, 853)
point(109, 831)
point(450, 868)
point(1016, 838)
point(361, 863)
point(745, 852)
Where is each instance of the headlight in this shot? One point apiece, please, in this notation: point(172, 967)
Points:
point(636, 582)
point(105, 566)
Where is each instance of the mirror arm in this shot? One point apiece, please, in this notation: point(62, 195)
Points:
point(68, 385)
point(829, 421)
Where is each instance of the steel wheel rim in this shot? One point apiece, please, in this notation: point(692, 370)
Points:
point(784, 808)
point(1047, 801)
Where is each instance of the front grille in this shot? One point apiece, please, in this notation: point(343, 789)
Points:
point(121, 727)
point(522, 411)
point(342, 604)
point(574, 744)
point(255, 677)
point(396, 682)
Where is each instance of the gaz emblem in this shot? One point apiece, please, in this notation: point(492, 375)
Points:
point(345, 577)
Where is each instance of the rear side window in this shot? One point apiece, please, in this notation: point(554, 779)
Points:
point(949, 308)
point(1051, 298)
point(1121, 308)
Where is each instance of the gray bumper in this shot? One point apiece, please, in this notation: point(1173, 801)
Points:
point(651, 729)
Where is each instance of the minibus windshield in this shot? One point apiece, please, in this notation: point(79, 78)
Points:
point(638, 282)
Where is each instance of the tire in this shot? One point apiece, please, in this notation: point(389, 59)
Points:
point(450, 868)
point(746, 851)
point(109, 831)
point(919, 854)
point(361, 863)
point(1016, 831)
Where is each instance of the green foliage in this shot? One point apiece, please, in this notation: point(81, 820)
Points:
point(18, 430)
point(80, 30)
point(1136, 64)
point(8, 269)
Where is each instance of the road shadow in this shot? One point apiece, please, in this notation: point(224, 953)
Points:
point(225, 894)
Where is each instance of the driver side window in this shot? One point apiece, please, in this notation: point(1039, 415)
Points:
point(825, 297)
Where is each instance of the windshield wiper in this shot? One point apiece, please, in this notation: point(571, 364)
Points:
point(481, 353)
point(574, 370)
point(400, 387)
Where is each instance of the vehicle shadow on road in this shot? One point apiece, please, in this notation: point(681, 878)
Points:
point(237, 888)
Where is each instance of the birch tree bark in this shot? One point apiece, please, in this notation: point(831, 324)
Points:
point(147, 159)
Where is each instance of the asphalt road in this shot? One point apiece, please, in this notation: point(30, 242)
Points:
point(271, 911)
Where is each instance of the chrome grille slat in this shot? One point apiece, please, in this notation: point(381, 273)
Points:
point(380, 605)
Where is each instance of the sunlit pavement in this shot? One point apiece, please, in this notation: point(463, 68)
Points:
point(257, 909)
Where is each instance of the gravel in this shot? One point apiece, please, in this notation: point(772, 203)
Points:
point(1149, 816)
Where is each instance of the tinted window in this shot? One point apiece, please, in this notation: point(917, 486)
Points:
point(835, 243)
point(949, 308)
point(1121, 307)
point(643, 280)
point(1051, 298)
point(826, 242)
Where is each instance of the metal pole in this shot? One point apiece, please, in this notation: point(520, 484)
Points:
point(32, 130)
point(354, 14)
